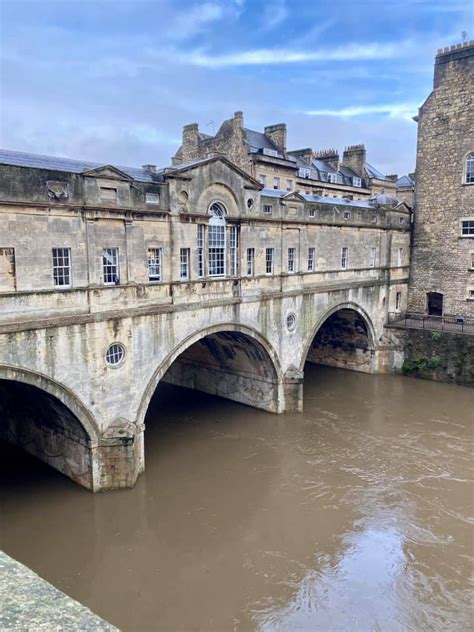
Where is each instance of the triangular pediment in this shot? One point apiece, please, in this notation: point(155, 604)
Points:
point(183, 170)
point(107, 171)
point(294, 196)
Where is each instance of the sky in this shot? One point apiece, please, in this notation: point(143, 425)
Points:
point(114, 81)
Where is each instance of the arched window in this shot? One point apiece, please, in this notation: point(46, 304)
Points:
point(469, 179)
point(216, 240)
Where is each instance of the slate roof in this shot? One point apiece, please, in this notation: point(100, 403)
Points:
point(68, 165)
point(320, 199)
point(405, 181)
point(375, 173)
point(258, 141)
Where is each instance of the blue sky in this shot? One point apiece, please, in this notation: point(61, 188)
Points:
point(115, 80)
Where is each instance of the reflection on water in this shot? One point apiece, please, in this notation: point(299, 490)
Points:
point(355, 515)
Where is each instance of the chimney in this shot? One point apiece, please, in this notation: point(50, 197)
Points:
point(331, 156)
point(149, 169)
point(306, 153)
point(238, 120)
point(190, 146)
point(355, 157)
point(277, 134)
point(392, 178)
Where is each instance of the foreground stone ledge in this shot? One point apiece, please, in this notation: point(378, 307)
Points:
point(30, 603)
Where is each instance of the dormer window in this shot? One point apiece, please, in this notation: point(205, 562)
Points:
point(469, 169)
point(304, 173)
point(108, 194)
point(357, 182)
point(332, 177)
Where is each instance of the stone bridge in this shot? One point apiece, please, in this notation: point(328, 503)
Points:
point(79, 363)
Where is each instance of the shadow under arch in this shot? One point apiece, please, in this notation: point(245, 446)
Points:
point(46, 419)
point(268, 376)
point(339, 311)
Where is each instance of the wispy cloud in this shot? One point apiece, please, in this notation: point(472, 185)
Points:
point(272, 56)
point(396, 110)
point(274, 14)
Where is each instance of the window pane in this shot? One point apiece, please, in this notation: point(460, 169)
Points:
point(62, 267)
point(154, 264)
point(110, 266)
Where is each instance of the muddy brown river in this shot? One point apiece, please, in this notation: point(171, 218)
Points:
point(356, 515)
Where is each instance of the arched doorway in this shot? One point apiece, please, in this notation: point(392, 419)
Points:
point(344, 340)
point(41, 424)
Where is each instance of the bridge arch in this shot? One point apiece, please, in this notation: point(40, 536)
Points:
point(46, 419)
point(260, 387)
point(348, 333)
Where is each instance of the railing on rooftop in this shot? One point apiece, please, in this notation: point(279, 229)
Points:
point(417, 320)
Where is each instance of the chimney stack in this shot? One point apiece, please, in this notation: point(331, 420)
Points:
point(277, 134)
point(355, 157)
point(190, 146)
point(149, 169)
point(331, 156)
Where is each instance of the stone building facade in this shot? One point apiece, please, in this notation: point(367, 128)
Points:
point(114, 279)
point(442, 273)
point(264, 155)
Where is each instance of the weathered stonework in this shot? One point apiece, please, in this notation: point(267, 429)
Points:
point(244, 334)
point(441, 255)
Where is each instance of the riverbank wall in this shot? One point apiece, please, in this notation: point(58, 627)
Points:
point(438, 355)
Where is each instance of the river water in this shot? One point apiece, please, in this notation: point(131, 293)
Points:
point(355, 515)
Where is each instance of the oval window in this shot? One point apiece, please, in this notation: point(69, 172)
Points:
point(115, 354)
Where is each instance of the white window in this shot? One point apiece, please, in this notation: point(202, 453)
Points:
point(115, 354)
point(289, 185)
point(263, 179)
point(332, 177)
point(373, 257)
point(108, 194)
point(291, 260)
point(471, 295)
point(467, 227)
point(200, 250)
point(346, 215)
point(344, 258)
point(184, 263)
point(357, 182)
point(154, 264)
point(269, 261)
point(234, 250)
point(472, 260)
point(152, 198)
point(400, 257)
point(276, 183)
point(469, 178)
point(311, 259)
point(267, 209)
point(304, 173)
point(312, 211)
point(398, 301)
point(250, 261)
point(62, 267)
point(110, 266)
point(216, 240)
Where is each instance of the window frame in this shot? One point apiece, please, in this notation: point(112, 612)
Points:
point(114, 252)
point(470, 228)
point(268, 206)
point(250, 262)
point(200, 241)
point(468, 170)
point(155, 261)
point(398, 301)
point(184, 257)
point(291, 260)
point(311, 259)
point(234, 249)
point(373, 257)
point(216, 241)
point(344, 258)
point(269, 261)
point(276, 183)
point(61, 268)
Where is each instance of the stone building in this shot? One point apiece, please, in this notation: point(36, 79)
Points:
point(114, 279)
point(442, 273)
point(405, 191)
point(264, 155)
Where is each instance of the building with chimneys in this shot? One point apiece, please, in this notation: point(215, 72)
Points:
point(264, 156)
point(442, 273)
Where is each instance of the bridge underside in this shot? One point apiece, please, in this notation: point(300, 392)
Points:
point(343, 341)
point(40, 424)
point(230, 365)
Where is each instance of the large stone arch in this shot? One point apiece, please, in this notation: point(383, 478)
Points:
point(189, 341)
point(46, 419)
point(323, 318)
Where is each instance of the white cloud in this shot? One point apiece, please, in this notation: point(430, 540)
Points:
point(274, 14)
point(396, 110)
point(194, 20)
point(266, 56)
